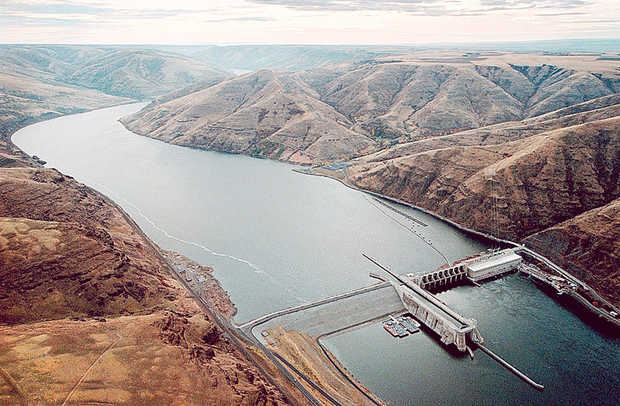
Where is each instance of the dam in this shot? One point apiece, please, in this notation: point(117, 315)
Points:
point(352, 310)
point(407, 293)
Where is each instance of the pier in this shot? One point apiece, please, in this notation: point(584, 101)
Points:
point(509, 367)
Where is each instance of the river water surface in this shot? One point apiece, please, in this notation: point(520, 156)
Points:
point(277, 238)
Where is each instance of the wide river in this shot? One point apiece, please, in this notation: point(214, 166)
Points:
point(277, 238)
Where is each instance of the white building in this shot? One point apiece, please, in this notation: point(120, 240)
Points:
point(493, 264)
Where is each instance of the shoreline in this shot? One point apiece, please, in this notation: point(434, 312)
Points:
point(585, 303)
point(311, 169)
point(247, 349)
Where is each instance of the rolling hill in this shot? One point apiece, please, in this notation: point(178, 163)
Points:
point(340, 112)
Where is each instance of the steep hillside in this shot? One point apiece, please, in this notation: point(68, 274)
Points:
point(89, 310)
point(266, 113)
point(588, 244)
point(337, 112)
point(85, 298)
point(596, 109)
point(412, 101)
point(513, 189)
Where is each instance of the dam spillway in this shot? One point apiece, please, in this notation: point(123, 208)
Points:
point(451, 327)
point(475, 268)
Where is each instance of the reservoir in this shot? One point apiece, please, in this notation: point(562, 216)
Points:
point(277, 238)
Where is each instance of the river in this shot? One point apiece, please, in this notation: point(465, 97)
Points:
point(277, 238)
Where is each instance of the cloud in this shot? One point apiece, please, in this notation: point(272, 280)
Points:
point(78, 11)
point(359, 5)
point(302, 21)
point(239, 19)
point(424, 7)
point(222, 11)
point(561, 13)
point(514, 4)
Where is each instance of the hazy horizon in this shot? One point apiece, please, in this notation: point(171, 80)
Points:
point(316, 22)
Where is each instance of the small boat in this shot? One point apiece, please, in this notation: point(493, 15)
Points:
point(408, 323)
point(395, 329)
point(401, 330)
point(389, 327)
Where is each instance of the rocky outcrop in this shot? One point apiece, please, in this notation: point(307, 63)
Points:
point(69, 250)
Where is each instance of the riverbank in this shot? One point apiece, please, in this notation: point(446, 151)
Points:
point(119, 309)
point(307, 355)
point(599, 311)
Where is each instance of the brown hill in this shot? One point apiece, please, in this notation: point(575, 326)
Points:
point(265, 113)
point(91, 313)
point(26, 99)
point(89, 310)
point(596, 109)
point(142, 74)
point(588, 244)
point(513, 189)
point(349, 110)
point(68, 249)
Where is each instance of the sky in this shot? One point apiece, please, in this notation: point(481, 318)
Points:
point(407, 22)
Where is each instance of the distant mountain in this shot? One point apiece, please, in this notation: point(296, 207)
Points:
point(25, 100)
point(133, 73)
point(303, 57)
point(142, 74)
point(285, 57)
